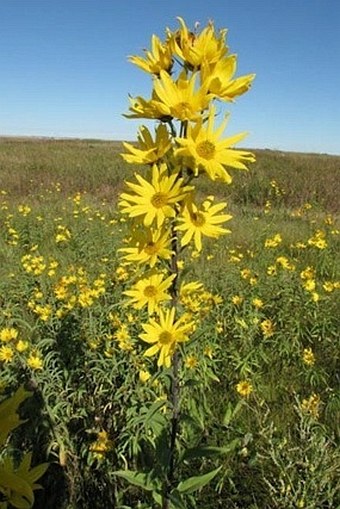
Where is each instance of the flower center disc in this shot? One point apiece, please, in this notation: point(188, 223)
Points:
point(182, 110)
point(159, 200)
point(206, 149)
point(150, 248)
point(198, 219)
point(150, 291)
point(165, 338)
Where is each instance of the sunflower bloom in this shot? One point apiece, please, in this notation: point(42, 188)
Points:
point(180, 99)
point(164, 336)
point(148, 247)
point(196, 223)
point(155, 201)
point(157, 60)
point(143, 108)
point(244, 388)
point(218, 79)
point(150, 291)
point(194, 49)
point(148, 151)
point(204, 148)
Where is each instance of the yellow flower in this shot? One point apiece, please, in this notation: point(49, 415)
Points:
point(237, 300)
point(6, 353)
point(102, 445)
point(21, 345)
point(311, 405)
point(196, 223)
point(258, 303)
point(285, 263)
point(218, 78)
point(308, 357)
point(274, 241)
point(35, 362)
point(245, 273)
point(144, 376)
point(267, 328)
point(195, 48)
point(328, 286)
point(157, 60)
point(206, 151)
point(208, 352)
point(271, 270)
point(244, 388)
point(191, 362)
point(309, 285)
point(150, 291)
point(180, 99)
point(8, 334)
point(155, 201)
point(318, 240)
point(63, 234)
point(307, 273)
point(164, 335)
point(149, 246)
point(142, 108)
point(148, 151)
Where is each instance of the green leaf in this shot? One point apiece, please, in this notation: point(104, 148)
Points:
point(139, 479)
point(210, 451)
point(231, 413)
point(176, 500)
point(16, 484)
point(36, 472)
point(197, 482)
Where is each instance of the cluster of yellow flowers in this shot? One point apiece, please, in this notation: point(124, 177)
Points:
point(186, 144)
point(10, 343)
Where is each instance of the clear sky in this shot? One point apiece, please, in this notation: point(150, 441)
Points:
point(64, 69)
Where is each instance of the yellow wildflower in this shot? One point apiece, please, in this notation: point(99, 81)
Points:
point(205, 221)
point(6, 353)
point(308, 357)
point(206, 151)
point(8, 334)
point(157, 60)
point(311, 405)
point(244, 388)
point(164, 335)
point(267, 328)
point(35, 361)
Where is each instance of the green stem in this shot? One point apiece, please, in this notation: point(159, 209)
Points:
point(174, 395)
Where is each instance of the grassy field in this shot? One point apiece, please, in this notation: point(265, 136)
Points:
point(266, 361)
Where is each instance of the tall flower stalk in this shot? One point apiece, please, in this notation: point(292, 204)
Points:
point(191, 72)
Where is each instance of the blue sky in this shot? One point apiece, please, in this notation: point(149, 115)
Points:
point(64, 69)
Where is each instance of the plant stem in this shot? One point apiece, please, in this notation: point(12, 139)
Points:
point(175, 386)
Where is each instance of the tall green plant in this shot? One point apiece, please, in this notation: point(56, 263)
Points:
point(191, 72)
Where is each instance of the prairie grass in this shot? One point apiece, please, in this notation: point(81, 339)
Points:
point(268, 317)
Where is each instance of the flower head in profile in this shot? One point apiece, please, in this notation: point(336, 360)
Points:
point(150, 292)
point(147, 108)
point(195, 48)
point(154, 200)
point(205, 221)
point(206, 151)
point(158, 59)
point(164, 335)
point(219, 80)
point(148, 150)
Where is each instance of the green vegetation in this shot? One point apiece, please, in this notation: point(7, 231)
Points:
point(265, 363)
